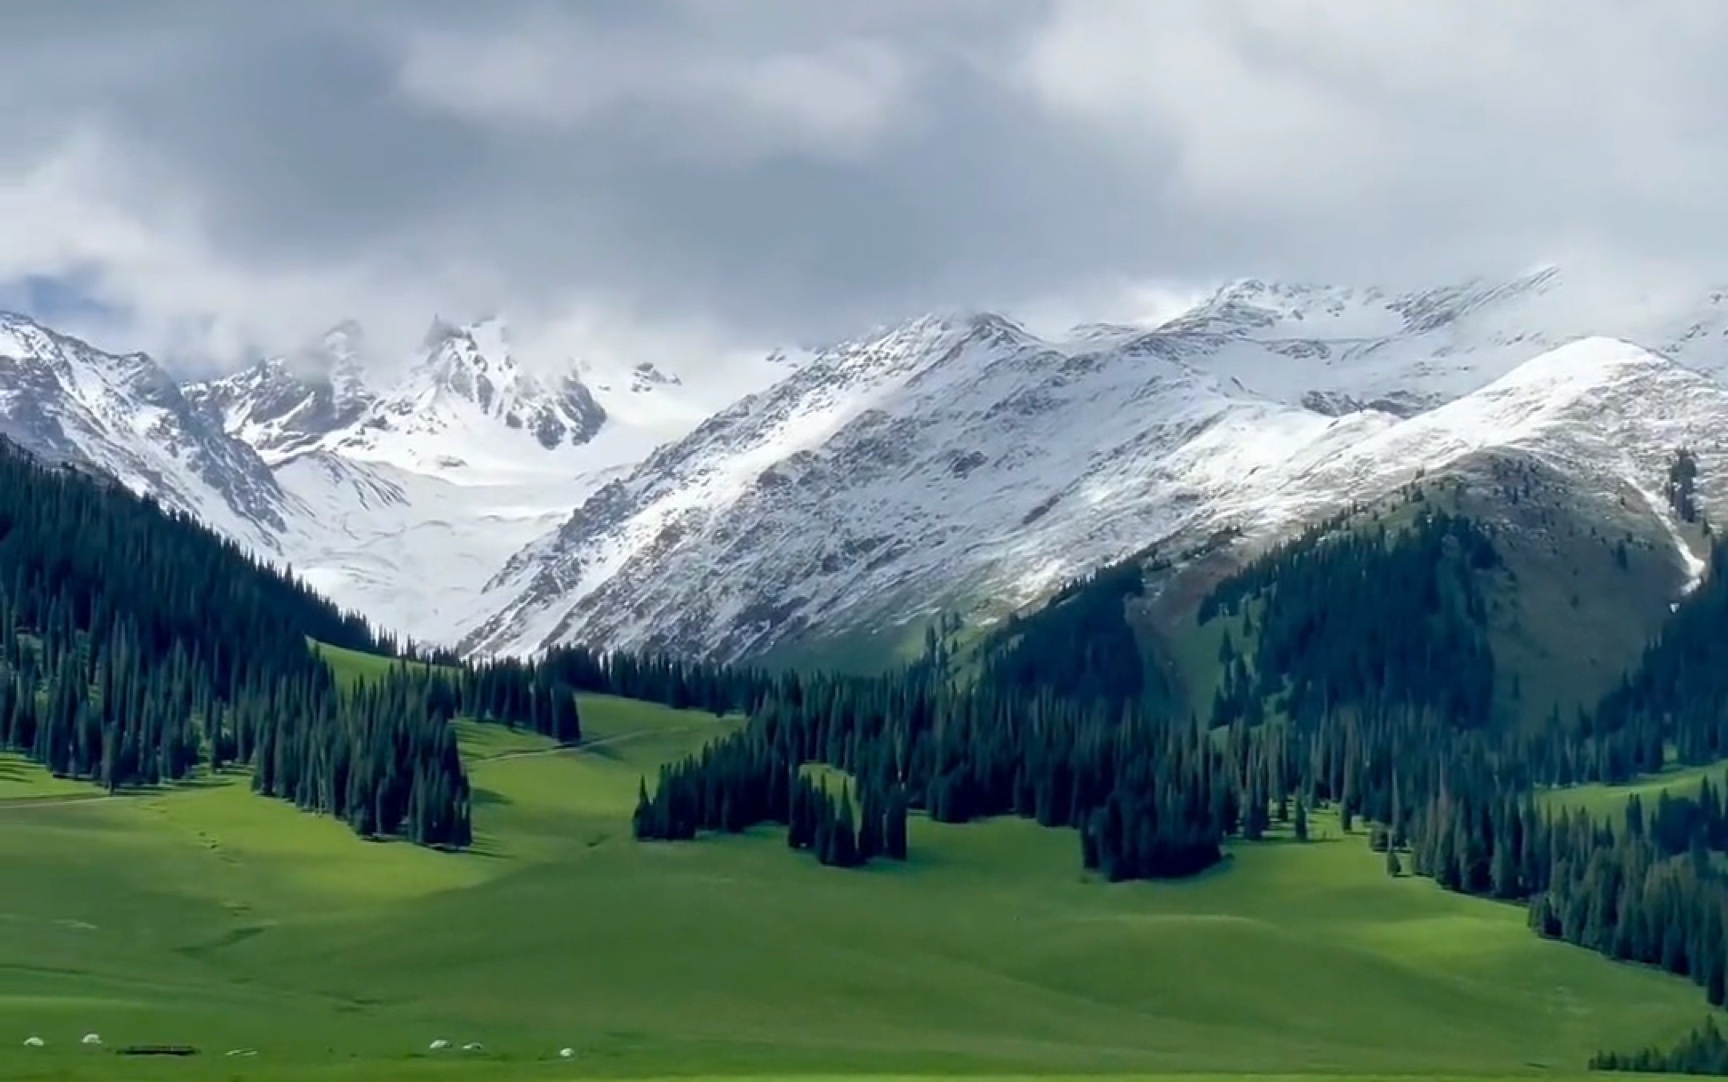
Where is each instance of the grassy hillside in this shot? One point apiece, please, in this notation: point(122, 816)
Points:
point(1676, 781)
point(859, 651)
point(352, 666)
point(22, 780)
point(1585, 582)
point(1588, 580)
point(204, 916)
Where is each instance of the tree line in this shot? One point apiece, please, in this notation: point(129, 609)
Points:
point(1703, 1051)
point(137, 647)
point(1146, 799)
point(1387, 616)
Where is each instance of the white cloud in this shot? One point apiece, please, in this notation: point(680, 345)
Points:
point(1304, 113)
point(86, 212)
point(550, 69)
point(138, 245)
point(682, 178)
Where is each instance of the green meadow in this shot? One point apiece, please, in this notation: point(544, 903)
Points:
point(1610, 800)
point(206, 916)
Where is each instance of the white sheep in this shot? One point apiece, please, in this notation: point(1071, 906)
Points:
point(34, 1042)
point(91, 1038)
point(566, 1053)
point(473, 1046)
point(439, 1045)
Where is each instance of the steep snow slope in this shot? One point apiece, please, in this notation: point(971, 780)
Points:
point(123, 415)
point(1335, 349)
point(886, 472)
point(283, 406)
point(966, 458)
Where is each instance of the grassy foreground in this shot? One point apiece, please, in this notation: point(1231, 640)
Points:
point(207, 916)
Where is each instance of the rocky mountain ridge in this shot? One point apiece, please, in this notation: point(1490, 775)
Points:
point(954, 461)
point(965, 463)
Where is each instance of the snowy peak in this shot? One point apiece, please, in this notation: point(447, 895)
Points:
point(1581, 367)
point(65, 400)
point(284, 406)
point(960, 456)
point(1340, 348)
point(475, 364)
point(1601, 411)
point(463, 400)
point(645, 377)
point(1263, 310)
point(867, 476)
point(469, 374)
point(1254, 308)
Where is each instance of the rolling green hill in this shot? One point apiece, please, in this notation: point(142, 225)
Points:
point(199, 914)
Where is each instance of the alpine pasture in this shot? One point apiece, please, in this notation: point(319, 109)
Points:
point(203, 915)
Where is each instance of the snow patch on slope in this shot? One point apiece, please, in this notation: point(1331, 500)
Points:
point(967, 455)
point(122, 415)
point(416, 547)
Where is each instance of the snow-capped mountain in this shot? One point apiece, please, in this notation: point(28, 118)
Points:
point(124, 416)
point(465, 398)
point(412, 484)
point(956, 459)
point(397, 489)
point(461, 496)
point(283, 406)
point(470, 405)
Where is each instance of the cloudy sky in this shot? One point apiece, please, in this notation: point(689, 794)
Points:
point(674, 179)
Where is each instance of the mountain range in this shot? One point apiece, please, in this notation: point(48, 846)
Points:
point(822, 500)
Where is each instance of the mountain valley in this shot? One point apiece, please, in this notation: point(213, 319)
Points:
point(1427, 650)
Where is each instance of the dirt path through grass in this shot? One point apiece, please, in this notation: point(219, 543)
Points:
point(584, 746)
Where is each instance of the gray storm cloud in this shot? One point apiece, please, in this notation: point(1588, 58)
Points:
point(685, 176)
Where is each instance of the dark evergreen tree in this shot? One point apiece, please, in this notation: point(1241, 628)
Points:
point(1682, 486)
point(136, 646)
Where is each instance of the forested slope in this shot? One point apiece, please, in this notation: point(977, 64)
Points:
point(137, 647)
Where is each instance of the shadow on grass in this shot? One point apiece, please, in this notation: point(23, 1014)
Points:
point(487, 798)
point(1289, 839)
point(483, 848)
